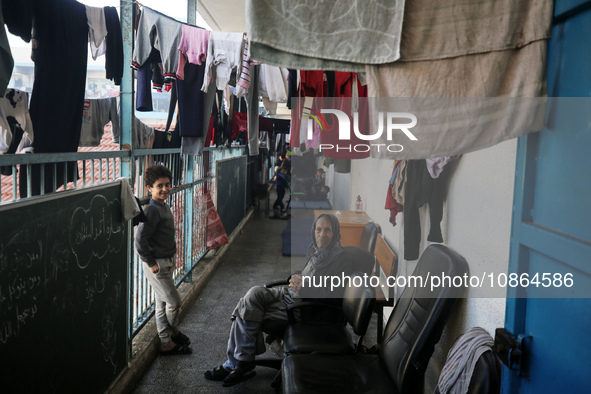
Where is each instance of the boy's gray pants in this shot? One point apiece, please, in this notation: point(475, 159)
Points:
point(168, 300)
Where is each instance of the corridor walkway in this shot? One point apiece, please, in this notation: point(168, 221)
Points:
point(254, 258)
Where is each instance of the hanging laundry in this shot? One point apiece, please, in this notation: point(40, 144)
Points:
point(341, 36)
point(435, 165)
point(391, 204)
point(97, 30)
point(265, 124)
point(61, 32)
point(281, 126)
point(243, 82)
point(292, 86)
point(210, 132)
point(239, 123)
point(311, 84)
point(141, 134)
point(192, 48)
point(346, 84)
point(421, 189)
point(15, 105)
point(162, 33)
point(252, 108)
point(18, 16)
point(224, 53)
point(399, 184)
point(143, 94)
point(6, 60)
point(114, 42)
point(272, 87)
point(505, 60)
point(97, 113)
point(216, 234)
point(191, 101)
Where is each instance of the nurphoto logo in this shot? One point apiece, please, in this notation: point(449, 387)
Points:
point(396, 122)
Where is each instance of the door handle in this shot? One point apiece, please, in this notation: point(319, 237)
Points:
point(509, 348)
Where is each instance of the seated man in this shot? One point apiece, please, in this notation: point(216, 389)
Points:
point(325, 257)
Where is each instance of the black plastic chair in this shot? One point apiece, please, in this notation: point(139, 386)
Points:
point(413, 329)
point(369, 236)
point(333, 338)
point(302, 337)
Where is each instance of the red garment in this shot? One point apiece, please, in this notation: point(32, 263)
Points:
point(210, 132)
point(216, 234)
point(239, 123)
point(391, 204)
point(311, 85)
point(355, 148)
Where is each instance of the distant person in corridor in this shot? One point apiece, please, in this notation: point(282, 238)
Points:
point(156, 245)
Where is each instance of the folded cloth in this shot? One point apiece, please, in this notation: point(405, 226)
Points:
point(337, 36)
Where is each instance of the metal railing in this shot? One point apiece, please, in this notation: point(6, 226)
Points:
point(193, 176)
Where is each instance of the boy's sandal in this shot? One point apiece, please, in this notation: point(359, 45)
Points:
point(181, 339)
point(176, 350)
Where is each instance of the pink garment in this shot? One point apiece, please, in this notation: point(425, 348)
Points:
point(192, 48)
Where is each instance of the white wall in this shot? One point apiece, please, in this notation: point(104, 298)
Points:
point(476, 223)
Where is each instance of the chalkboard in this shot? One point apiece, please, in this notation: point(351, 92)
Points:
point(63, 292)
point(231, 193)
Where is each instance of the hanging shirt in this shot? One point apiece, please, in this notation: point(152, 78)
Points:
point(141, 134)
point(15, 104)
point(243, 82)
point(97, 113)
point(273, 83)
point(6, 61)
point(224, 52)
point(114, 42)
point(192, 48)
point(162, 33)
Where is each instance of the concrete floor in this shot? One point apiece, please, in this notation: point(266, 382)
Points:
point(254, 258)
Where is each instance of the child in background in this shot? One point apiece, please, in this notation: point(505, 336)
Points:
point(283, 180)
point(156, 245)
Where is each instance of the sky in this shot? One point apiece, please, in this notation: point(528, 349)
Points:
point(174, 8)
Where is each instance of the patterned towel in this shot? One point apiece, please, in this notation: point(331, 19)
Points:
point(216, 235)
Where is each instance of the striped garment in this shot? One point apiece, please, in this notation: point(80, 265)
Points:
point(243, 83)
point(461, 359)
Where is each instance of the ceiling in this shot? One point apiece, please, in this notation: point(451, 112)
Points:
point(223, 15)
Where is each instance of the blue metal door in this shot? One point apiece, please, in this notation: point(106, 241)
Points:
point(551, 231)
